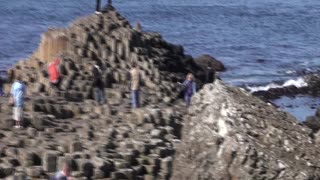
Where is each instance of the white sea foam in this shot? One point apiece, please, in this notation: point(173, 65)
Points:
point(300, 82)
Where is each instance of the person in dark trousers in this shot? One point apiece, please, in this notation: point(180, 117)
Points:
point(98, 84)
point(135, 80)
point(189, 89)
point(64, 174)
point(210, 73)
point(98, 4)
point(1, 86)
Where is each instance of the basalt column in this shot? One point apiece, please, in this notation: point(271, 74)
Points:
point(53, 43)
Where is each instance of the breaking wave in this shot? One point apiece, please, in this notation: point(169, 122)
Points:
point(300, 82)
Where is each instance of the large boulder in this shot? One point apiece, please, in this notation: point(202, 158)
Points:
point(314, 84)
point(205, 59)
point(313, 122)
point(233, 135)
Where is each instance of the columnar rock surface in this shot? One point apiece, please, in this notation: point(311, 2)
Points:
point(233, 135)
point(111, 141)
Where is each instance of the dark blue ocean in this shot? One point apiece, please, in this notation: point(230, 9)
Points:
point(260, 41)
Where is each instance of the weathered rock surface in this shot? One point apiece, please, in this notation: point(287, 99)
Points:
point(233, 135)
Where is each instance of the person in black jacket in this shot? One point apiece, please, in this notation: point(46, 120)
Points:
point(98, 84)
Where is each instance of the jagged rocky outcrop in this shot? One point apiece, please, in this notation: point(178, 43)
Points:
point(314, 84)
point(275, 93)
point(312, 88)
point(111, 141)
point(205, 60)
point(233, 135)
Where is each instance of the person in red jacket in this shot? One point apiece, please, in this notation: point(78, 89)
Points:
point(54, 75)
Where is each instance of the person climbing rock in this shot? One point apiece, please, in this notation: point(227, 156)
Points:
point(64, 174)
point(189, 88)
point(17, 99)
point(98, 84)
point(135, 80)
point(54, 75)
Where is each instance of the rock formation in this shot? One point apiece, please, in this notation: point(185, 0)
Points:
point(110, 141)
point(205, 59)
point(313, 122)
point(233, 135)
point(228, 134)
point(314, 84)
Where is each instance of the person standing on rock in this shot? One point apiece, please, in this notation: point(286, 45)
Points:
point(98, 7)
point(189, 88)
point(18, 90)
point(135, 80)
point(98, 84)
point(64, 174)
point(54, 75)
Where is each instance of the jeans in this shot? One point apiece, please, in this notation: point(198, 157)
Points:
point(99, 95)
point(135, 98)
point(187, 98)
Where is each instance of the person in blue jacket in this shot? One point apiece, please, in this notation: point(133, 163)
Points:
point(189, 88)
point(18, 90)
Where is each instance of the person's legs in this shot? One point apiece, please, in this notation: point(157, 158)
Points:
point(1, 91)
point(187, 99)
point(98, 6)
point(137, 98)
point(134, 99)
point(17, 116)
point(102, 99)
point(96, 94)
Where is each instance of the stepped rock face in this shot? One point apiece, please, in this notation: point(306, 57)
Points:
point(111, 141)
point(233, 135)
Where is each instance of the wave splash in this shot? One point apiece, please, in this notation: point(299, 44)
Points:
point(299, 83)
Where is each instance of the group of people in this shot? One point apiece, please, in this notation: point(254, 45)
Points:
point(18, 88)
point(134, 85)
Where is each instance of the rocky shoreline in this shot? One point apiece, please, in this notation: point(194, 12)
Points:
point(228, 133)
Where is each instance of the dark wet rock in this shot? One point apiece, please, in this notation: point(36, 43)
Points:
point(203, 61)
point(314, 83)
point(275, 93)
